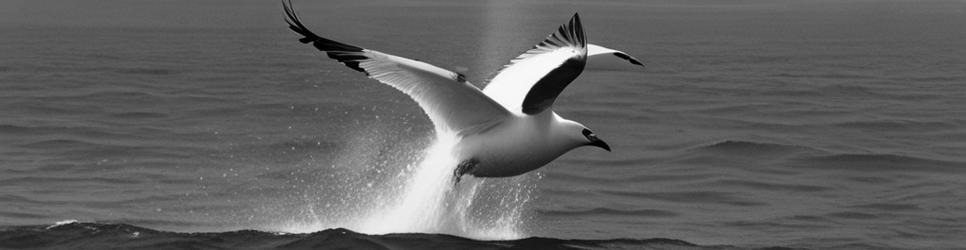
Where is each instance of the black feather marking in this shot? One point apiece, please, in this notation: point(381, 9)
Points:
point(628, 58)
point(555, 41)
point(569, 34)
point(545, 91)
point(542, 95)
point(348, 54)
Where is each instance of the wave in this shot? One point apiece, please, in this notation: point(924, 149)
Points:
point(14, 129)
point(766, 185)
point(74, 235)
point(689, 197)
point(897, 125)
point(881, 162)
point(846, 76)
point(145, 71)
point(97, 95)
point(139, 115)
point(804, 156)
point(610, 211)
point(739, 147)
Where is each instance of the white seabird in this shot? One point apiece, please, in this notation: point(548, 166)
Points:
point(506, 129)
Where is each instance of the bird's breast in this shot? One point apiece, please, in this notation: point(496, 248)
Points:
point(512, 149)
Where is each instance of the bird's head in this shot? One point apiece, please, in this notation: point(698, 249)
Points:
point(580, 135)
point(592, 140)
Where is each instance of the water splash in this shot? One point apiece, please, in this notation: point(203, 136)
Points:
point(424, 203)
point(415, 193)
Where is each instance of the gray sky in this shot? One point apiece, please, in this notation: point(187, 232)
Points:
point(140, 13)
point(244, 14)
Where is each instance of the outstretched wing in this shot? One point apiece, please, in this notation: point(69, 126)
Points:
point(451, 103)
point(599, 57)
point(533, 80)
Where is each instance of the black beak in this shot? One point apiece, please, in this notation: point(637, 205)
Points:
point(599, 143)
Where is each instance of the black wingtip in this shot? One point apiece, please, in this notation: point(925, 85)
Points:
point(321, 43)
point(570, 33)
point(295, 24)
point(577, 30)
point(629, 59)
point(336, 50)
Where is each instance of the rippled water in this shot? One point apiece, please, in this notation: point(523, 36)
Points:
point(816, 125)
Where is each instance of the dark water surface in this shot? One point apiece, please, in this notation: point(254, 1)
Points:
point(820, 124)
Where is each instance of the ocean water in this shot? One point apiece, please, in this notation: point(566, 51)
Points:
point(798, 124)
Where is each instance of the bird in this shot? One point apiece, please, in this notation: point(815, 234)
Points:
point(506, 129)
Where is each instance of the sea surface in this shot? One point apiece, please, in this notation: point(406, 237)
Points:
point(756, 124)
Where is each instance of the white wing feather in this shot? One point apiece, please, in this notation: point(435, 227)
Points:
point(530, 83)
point(451, 103)
point(511, 85)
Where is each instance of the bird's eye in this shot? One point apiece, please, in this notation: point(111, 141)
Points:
point(587, 133)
